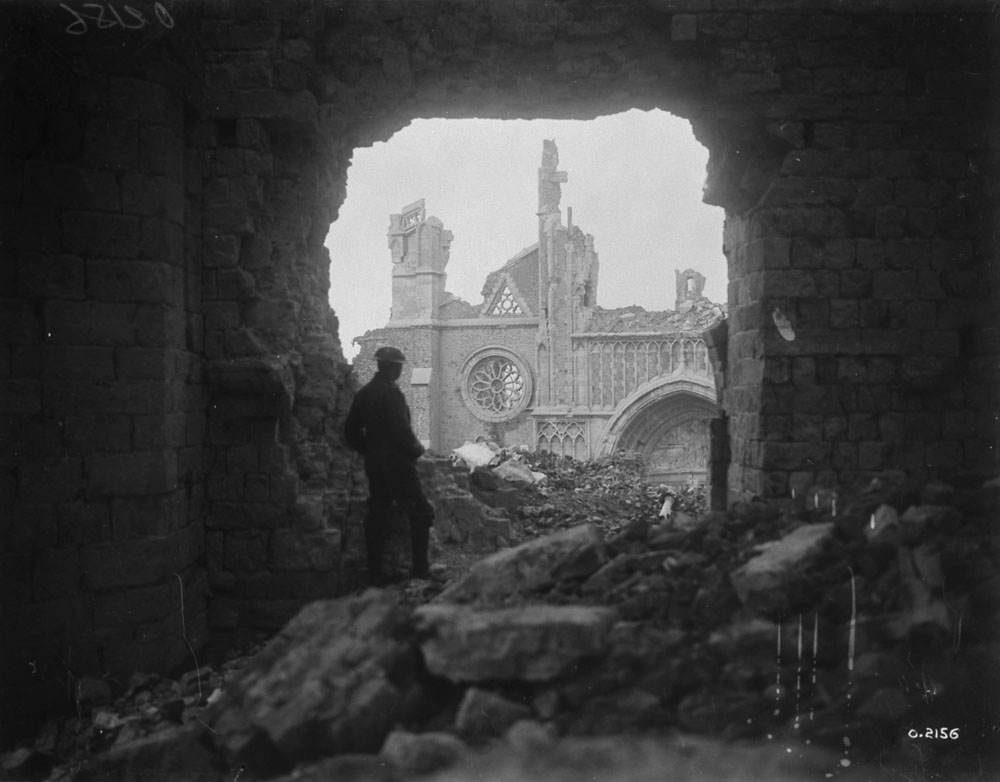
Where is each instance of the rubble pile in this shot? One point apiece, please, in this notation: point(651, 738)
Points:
point(837, 629)
point(849, 628)
point(609, 492)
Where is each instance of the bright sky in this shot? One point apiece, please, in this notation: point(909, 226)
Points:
point(635, 184)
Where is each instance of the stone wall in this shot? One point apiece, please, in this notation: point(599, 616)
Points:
point(172, 384)
point(103, 406)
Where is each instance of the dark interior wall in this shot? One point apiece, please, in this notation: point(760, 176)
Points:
point(171, 378)
point(103, 395)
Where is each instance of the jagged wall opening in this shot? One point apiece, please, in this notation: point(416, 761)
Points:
point(172, 379)
point(479, 177)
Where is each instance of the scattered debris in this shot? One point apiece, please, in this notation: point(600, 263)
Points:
point(782, 624)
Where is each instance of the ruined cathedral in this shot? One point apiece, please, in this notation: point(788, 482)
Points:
point(537, 364)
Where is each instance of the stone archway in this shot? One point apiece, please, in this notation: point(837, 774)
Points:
point(665, 422)
point(172, 382)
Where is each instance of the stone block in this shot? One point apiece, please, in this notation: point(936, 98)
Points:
point(53, 276)
point(529, 643)
point(79, 522)
point(78, 362)
point(101, 234)
point(134, 606)
point(371, 711)
point(273, 458)
point(944, 454)
point(147, 517)
point(299, 106)
point(221, 251)
point(34, 436)
point(940, 343)
point(225, 486)
point(895, 284)
point(248, 70)
point(875, 455)
point(161, 151)
point(255, 252)
point(302, 585)
point(793, 456)
point(153, 196)
point(272, 316)
point(20, 322)
point(747, 83)
point(223, 613)
point(153, 432)
point(162, 240)
point(242, 515)
point(840, 163)
point(142, 363)
point(577, 551)
point(413, 754)
point(228, 219)
point(484, 714)
point(256, 487)
point(292, 550)
point(133, 473)
point(845, 456)
point(327, 668)
point(246, 550)
point(160, 325)
point(31, 228)
point(42, 619)
point(51, 479)
point(25, 361)
point(309, 513)
point(56, 573)
point(132, 280)
point(15, 578)
point(110, 143)
point(87, 434)
point(843, 313)
point(89, 323)
point(284, 489)
point(48, 182)
point(762, 583)
point(225, 35)
point(130, 563)
point(20, 397)
point(250, 133)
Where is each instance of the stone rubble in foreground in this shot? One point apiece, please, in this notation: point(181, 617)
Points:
point(790, 639)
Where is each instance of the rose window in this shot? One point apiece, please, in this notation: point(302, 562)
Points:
point(496, 386)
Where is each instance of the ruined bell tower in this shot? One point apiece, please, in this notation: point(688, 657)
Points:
point(420, 247)
point(567, 281)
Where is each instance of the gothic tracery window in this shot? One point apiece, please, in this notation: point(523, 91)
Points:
point(496, 386)
point(506, 304)
point(565, 438)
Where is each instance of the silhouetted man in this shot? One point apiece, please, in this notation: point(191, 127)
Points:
point(378, 427)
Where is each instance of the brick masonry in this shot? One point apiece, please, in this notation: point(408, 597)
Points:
point(171, 382)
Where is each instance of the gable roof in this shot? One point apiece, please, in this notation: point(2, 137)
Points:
point(521, 274)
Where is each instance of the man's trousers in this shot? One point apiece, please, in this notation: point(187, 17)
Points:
point(400, 486)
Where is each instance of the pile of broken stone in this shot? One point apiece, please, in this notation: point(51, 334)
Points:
point(544, 492)
point(831, 631)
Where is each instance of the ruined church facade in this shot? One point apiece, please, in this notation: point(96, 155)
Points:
point(537, 364)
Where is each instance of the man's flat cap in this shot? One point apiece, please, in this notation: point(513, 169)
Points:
point(392, 355)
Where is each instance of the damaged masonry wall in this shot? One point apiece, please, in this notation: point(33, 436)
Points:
point(171, 378)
